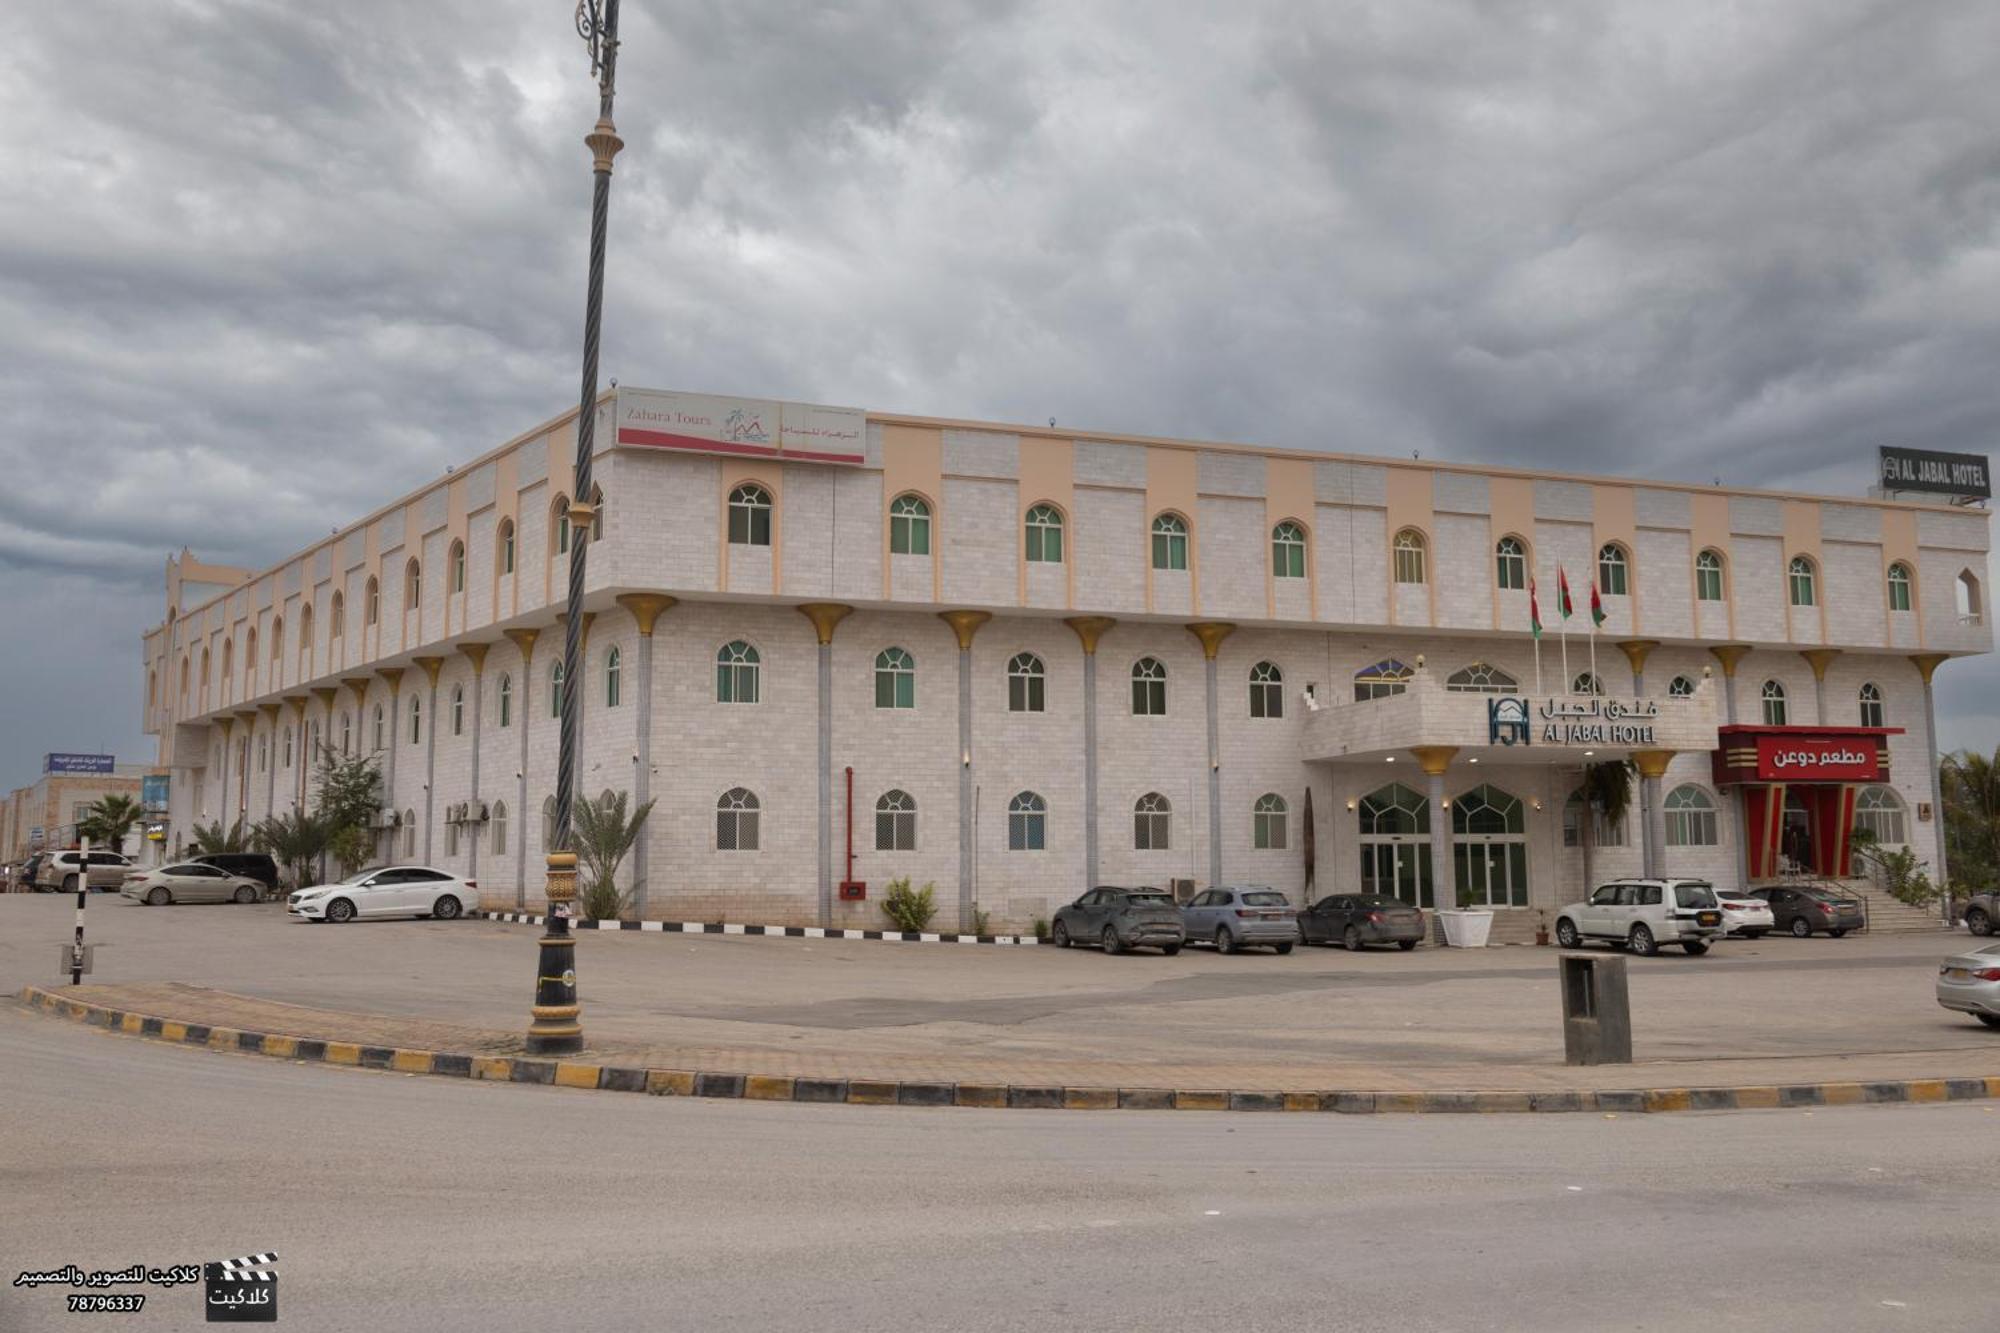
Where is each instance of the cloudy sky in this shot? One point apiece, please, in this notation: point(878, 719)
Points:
point(264, 265)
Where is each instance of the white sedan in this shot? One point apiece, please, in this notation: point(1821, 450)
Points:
point(387, 891)
point(189, 883)
point(1743, 915)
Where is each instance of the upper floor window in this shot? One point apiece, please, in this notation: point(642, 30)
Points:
point(597, 513)
point(736, 815)
point(1170, 542)
point(1899, 587)
point(277, 641)
point(288, 747)
point(458, 710)
point(909, 526)
point(1482, 678)
point(1871, 706)
point(1267, 819)
point(1612, 570)
point(1680, 687)
point(559, 524)
point(1152, 823)
point(458, 566)
point(1586, 683)
point(336, 625)
point(896, 822)
point(1802, 580)
point(613, 664)
point(1027, 823)
point(1026, 680)
point(1267, 690)
point(416, 717)
point(1045, 534)
point(346, 732)
point(1149, 688)
point(1288, 551)
point(1385, 678)
point(371, 609)
point(413, 586)
point(1970, 609)
point(750, 516)
point(895, 679)
point(737, 668)
point(555, 688)
point(1411, 552)
point(381, 726)
point(1510, 557)
point(1774, 704)
point(506, 698)
point(1708, 577)
point(306, 632)
point(506, 545)
point(249, 656)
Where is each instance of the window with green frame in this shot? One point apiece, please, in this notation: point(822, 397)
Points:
point(1708, 577)
point(1802, 577)
point(895, 679)
point(1170, 542)
point(1899, 587)
point(1045, 535)
point(909, 526)
point(1288, 551)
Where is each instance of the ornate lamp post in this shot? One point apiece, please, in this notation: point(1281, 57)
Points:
point(555, 1029)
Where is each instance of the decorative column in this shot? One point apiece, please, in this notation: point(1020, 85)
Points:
point(965, 624)
point(1636, 652)
point(394, 675)
point(1089, 631)
point(476, 654)
point(1434, 760)
point(1819, 659)
point(645, 609)
point(358, 687)
point(1212, 633)
point(1927, 664)
point(298, 703)
point(228, 725)
point(431, 666)
point(1729, 654)
point(270, 712)
point(524, 639)
point(248, 717)
point(824, 616)
point(1652, 766)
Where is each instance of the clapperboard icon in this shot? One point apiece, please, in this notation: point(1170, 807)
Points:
point(241, 1291)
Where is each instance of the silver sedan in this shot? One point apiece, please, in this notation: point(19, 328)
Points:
point(189, 883)
point(1970, 983)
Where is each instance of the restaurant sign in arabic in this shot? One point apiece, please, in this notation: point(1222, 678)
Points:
point(1577, 720)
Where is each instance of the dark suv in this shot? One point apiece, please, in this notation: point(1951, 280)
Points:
point(1121, 919)
point(250, 865)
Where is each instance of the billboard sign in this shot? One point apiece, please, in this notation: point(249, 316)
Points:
point(1964, 476)
point(153, 791)
point(80, 763)
point(740, 427)
point(1782, 758)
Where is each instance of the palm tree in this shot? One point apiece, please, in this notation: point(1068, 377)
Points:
point(1971, 785)
point(108, 819)
point(211, 838)
point(603, 834)
point(1606, 790)
point(294, 839)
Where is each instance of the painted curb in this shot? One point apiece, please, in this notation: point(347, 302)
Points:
point(786, 932)
point(871, 1092)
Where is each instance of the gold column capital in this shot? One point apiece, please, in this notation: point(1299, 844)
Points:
point(1090, 629)
point(1819, 659)
point(228, 725)
point(583, 639)
point(1636, 651)
point(394, 675)
point(965, 624)
point(524, 639)
point(1652, 763)
point(431, 666)
point(1211, 633)
point(824, 616)
point(1434, 759)
point(476, 654)
point(1928, 663)
point(646, 607)
point(1729, 654)
point(358, 687)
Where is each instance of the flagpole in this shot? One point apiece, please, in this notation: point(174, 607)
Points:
point(1593, 642)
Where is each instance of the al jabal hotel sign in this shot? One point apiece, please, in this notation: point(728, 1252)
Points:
point(1582, 720)
point(699, 423)
point(1966, 476)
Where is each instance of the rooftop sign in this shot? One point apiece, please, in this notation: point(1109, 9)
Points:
point(1966, 476)
point(739, 427)
point(80, 763)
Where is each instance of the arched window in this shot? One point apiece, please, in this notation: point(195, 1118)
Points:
point(596, 513)
point(381, 725)
point(613, 661)
point(371, 610)
point(1288, 551)
point(277, 646)
point(1510, 558)
point(1410, 552)
point(336, 627)
point(1149, 688)
point(1170, 542)
point(1680, 687)
point(1152, 823)
point(1612, 570)
point(288, 747)
point(736, 821)
point(1880, 811)
point(416, 717)
point(458, 710)
point(1394, 811)
point(153, 689)
point(749, 516)
point(306, 636)
point(1482, 678)
point(1970, 608)
point(458, 566)
point(1267, 823)
point(1385, 678)
point(895, 679)
point(506, 697)
point(1899, 587)
point(1708, 577)
point(413, 585)
point(409, 834)
point(1027, 823)
point(896, 822)
point(346, 733)
point(1802, 582)
point(559, 524)
point(228, 666)
point(249, 658)
point(451, 837)
point(1691, 821)
point(736, 673)
point(311, 751)
point(499, 834)
point(1586, 683)
point(184, 684)
point(1774, 704)
point(909, 526)
point(264, 752)
point(505, 543)
point(1025, 681)
point(555, 688)
point(1045, 535)
point(1872, 713)
point(1267, 690)
point(548, 823)
point(204, 678)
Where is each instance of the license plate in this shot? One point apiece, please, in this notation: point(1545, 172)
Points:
point(1708, 918)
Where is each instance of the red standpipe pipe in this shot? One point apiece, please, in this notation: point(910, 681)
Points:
point(850, 824)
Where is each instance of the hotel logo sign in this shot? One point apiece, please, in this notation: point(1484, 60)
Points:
point(1583, 720)
point(1508, 722)
point(1965, 476)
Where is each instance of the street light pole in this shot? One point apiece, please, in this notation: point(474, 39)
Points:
point(555, 1029)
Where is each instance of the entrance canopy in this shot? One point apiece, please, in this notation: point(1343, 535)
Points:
point(1799, 787)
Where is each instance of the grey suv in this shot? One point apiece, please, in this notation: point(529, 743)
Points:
point(1120, 919)
point(58, 870)
point(1982, 912)
point(1234, 917)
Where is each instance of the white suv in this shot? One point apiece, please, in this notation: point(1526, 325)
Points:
point(1643, 914)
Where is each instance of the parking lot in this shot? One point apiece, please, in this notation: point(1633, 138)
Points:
point(1763, 1011)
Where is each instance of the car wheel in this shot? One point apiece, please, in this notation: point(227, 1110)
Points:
point(1566, 934)
point(1350, 940)
point(1641, 941)
point(69, 884)
point(1801, 928)
point(1110, 940)
point(1838, 933)
point(1224, 941)
point(1753, 934)
point(1060, 935)
point(245, 894)
point(1695, 948)
point(1406, 945)
point(446, 908)
point(1282, 948)
point(1990, 1020)
point(1170, 949)
point(1978, 922)
point(340, 911)
point(158, 898)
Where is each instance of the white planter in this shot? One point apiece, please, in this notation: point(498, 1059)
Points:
point(1466, 930)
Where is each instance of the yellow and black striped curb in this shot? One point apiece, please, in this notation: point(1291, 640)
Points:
point(871, 1092)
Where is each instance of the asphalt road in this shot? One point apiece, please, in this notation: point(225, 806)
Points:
point(397, 1202)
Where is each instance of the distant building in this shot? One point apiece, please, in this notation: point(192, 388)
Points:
point(44, 813)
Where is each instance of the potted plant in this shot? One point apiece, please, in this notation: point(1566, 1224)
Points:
point(1468, 927)
point(1541, 927)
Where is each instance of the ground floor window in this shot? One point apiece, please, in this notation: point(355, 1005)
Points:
point(1027, 823)
point(1880, 811)
point(1268, 821)
point(1691, 818)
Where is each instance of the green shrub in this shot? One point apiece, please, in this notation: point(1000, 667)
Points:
point(601, 902)
point(907, 909)
point(1904, 878)
point(1041, 927)
point(981, 921)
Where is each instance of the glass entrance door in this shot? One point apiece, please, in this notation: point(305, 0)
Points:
point(1395, 845)
point(1490, 848)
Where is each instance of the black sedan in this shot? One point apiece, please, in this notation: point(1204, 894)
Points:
point(1806, 908)
point(1121, 919)
point(1360, 919)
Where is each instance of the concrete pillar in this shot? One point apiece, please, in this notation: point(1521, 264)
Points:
point(476, 654)
point(1434, 760)
point(645, 609)
point(1652, 766)
point(431, 666)
point(524, 639)
point(248, 717)
point(1212, 633)
point(270, 712)
point(1729, 654)
point(1089, 631)
point(824, 617)
point(298, 703)
point(228, 726)
point(1927, 664)
point(965, 624)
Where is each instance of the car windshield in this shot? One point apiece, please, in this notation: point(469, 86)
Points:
point(1694, 895)
point(1149, 900)
point(1378, 903)
point(1264, 899)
